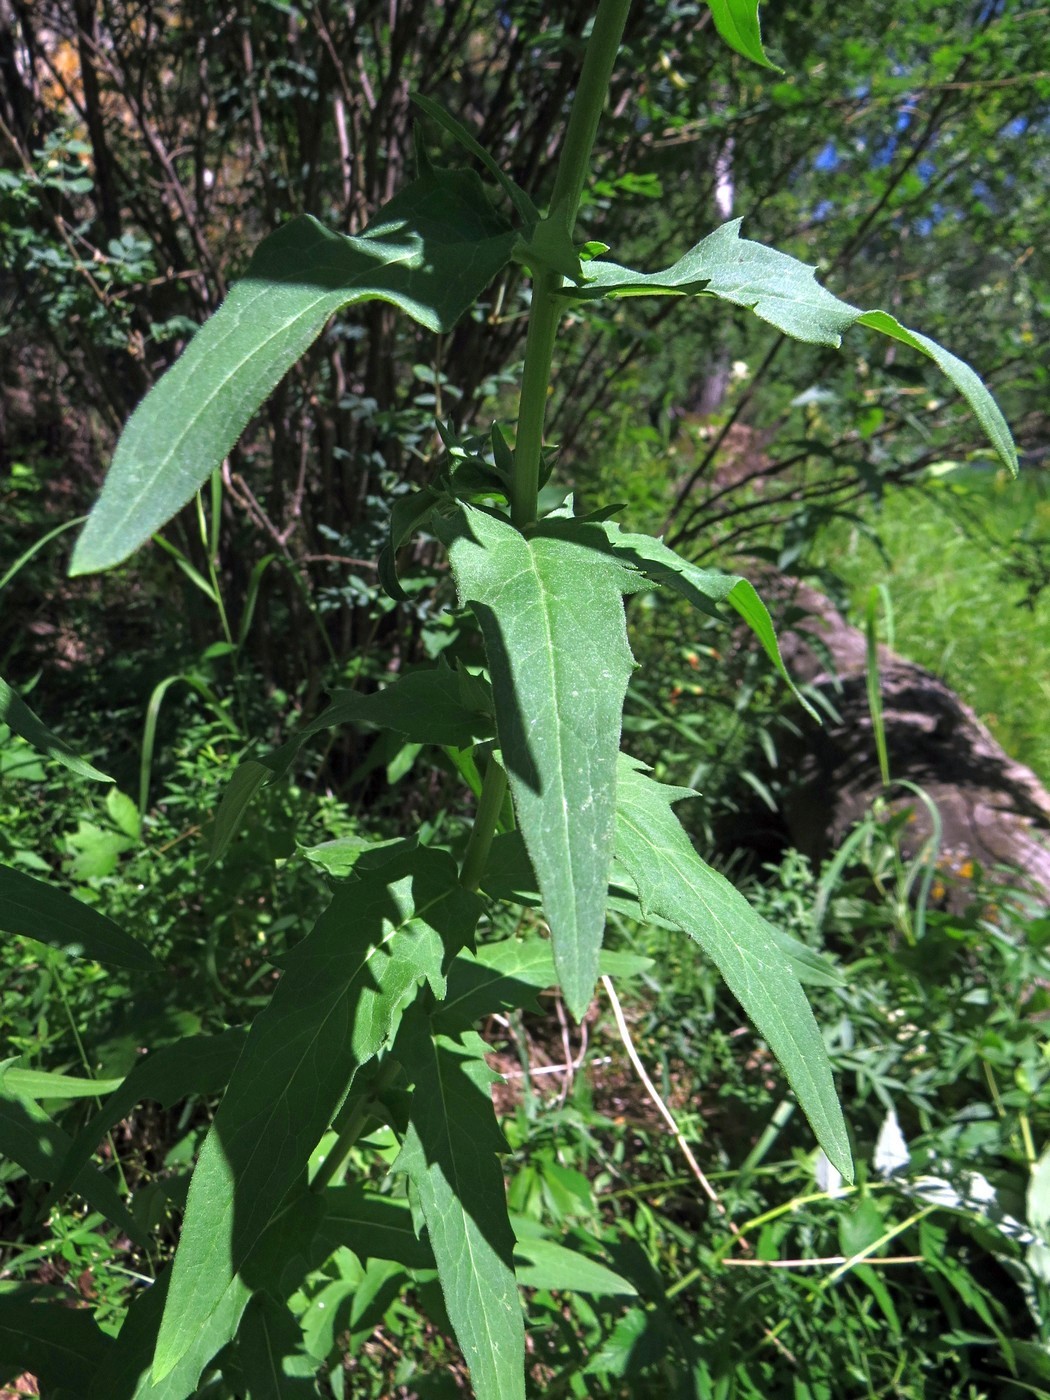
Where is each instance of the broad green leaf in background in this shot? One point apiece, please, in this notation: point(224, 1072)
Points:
point(675, 884)
point(430, 251)
point(35, 910)
point(438, 706)
point(373, 1226)
point(737, 23)
point(449, 1155)
point(551, 611)
point(506, 975)
point(543, 1263)
point(335, 1007)
point(16, 713)
point(58, 1345)
point(785, 292)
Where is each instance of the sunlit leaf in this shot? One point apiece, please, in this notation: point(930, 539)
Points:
point(430, 251)
point(737, 23)
point(336, 1005)
point(551, 611)
point(785, 292)
point(674, 883)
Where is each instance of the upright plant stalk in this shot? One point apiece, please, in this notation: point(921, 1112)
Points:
point(544, 315)
point(573, 165)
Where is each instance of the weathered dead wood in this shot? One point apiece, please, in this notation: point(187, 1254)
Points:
point(994, 810)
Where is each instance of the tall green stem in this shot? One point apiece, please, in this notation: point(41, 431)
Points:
point(573, 165)
point(544, 315)
point(490, 804)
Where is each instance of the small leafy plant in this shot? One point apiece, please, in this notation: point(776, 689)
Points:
point(371, 1027)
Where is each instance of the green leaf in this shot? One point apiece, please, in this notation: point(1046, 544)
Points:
point(522, 203)
point(373, 1226)
point(268, 1336)
point(438, 706)
point(30, 1138)
point(1039, 1195)
point(449, 1154)
point(407, 515)
point(16, 713)
point(41, 1084)
point(430, 251)
point(785, 292)
point(35, 910)
point(58, 1345)
point(498, 977)
point(544, 1264)
point(199, 1064)
point(737, 23)
point(335, 1007)
point(551, 612)
point(125, 1374)
point(675, 884)
point(701, 587)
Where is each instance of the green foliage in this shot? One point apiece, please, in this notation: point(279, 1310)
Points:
point(362, 1054)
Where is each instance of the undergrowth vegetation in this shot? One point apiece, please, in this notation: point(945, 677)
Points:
point(367, 1049)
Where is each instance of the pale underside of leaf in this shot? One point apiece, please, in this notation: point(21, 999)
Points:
point(551, 611)
point(676, 884)
point(429, 252)
point(785, 292)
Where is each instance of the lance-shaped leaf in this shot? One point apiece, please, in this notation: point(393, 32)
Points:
point(675, 884)
point(430, 251)
point(126, 1373)
point(199, 1064)
point(737, 23)
point(449, 1154)
point(373, 1226)
point(44, 1084)
point(438, 706)
point(335, 1007)
point(15, 713)
point(35, 910)
point(785, 292)
point(551, 611)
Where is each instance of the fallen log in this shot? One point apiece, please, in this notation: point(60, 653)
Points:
point(994, 811)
